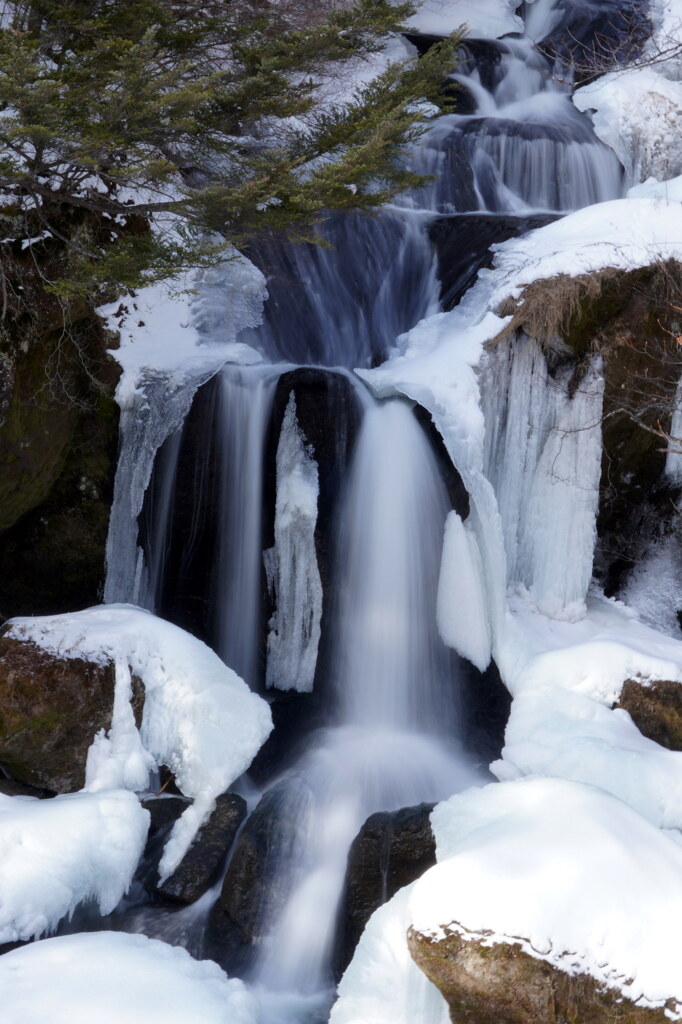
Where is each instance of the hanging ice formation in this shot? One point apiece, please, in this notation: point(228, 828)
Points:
point(291, 474)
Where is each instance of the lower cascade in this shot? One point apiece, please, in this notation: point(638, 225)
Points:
point(380, 720)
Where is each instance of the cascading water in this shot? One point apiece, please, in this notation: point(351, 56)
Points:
point(363, 617)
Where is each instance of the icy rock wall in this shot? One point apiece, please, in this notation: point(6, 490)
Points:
point(291, 565)
point(543, 457)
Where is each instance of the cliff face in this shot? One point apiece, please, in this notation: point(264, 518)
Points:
point(58, 443)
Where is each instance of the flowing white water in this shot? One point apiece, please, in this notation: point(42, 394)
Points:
point(397, 741)
point(245, 402)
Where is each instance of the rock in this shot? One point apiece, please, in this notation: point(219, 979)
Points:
point(391, 850)
point(656, 710)
point(51, 709)
point(164, 811)
point(10, 787)
point(199, 868)
point(501, 984)
point(249, 897)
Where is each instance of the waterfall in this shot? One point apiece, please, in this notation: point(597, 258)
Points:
point(395, 741)
point(312, 557)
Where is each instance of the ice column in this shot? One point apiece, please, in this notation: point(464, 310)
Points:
point(291, 565)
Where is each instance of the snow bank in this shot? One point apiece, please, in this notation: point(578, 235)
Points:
point(55, 854)
point(113, 978)
point(555, 733)
point(485, 19)
point(592, 657)
point(574, 876)
point(199, 717)
point(382, 984)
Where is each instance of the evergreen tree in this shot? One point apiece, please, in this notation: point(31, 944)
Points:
point(197, 118)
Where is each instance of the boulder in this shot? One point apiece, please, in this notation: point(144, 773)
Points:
point(200, 866)
point(250, 896)
point(499, 983)
point(51, 709)
point(656, 709)
point(391, 850)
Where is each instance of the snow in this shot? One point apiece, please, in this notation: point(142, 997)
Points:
point(638, 114)
point(382, 984)
point(460, 610)
point(55, 854)
point(200, 719)
point(291, 566)
point(555, 733)
point(636, 110)
point(654, 586)
point(572, 875)
point(113, 978)
point(483, 19)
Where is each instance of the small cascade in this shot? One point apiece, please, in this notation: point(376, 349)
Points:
point(523, 147)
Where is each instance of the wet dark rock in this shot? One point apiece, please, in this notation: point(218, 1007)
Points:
point(594, 36)
point(457, 492)
point(486, 704)
point(391, 850)
point(164, 811)
point(463, 246)
point(51, 710)
point(10, 787)
point(251, 893)
point(656, 709)
point(498, 983)
point(200, 867)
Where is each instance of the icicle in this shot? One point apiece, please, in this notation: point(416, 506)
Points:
point(461, 608)
point(291, 565)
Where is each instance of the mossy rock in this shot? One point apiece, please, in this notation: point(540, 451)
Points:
point(499, 983)
point(656, 710)
point(50, 710)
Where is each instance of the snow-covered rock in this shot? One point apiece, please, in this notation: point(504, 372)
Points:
point(199, 718)
point(114, 978)
point(568, 874)
point(56, 854)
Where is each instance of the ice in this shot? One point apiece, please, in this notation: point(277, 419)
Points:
point(113, 978)
point(291, 566)
point(638, 113)
point(571, 874)
point(654, 586)
point(173, 337)
point(461, 611)
point(382, 984)
point(673, 462)
point(485, 19)
point(636, 110)
point(55, 854)
point(200, 719)
point(544, 461)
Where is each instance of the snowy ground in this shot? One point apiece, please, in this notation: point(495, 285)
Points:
point(113, 978)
